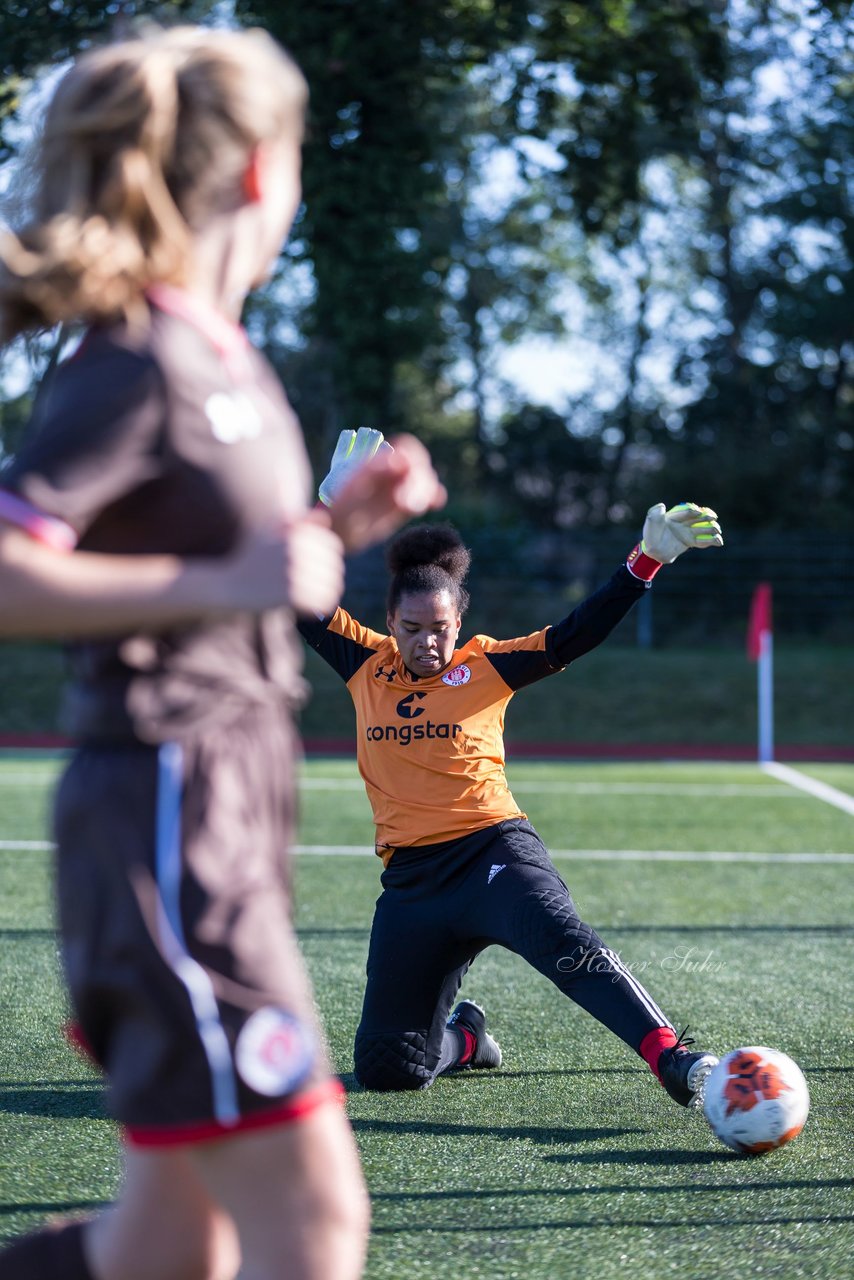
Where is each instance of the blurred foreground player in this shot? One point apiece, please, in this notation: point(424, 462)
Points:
point(464, 869)
point(158, 516)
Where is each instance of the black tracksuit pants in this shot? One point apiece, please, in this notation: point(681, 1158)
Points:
point(443, 904)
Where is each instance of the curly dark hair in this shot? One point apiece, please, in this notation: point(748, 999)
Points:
point(428, 558)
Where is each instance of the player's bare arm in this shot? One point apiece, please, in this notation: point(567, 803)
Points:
point(46, 592)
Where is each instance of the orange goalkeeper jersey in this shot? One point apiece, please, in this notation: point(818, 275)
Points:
point(431, 749)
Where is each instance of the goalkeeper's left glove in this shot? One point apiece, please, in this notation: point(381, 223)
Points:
point(353, 450)
point(666, 534)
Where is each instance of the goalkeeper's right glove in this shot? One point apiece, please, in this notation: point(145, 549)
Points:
point(353, 450)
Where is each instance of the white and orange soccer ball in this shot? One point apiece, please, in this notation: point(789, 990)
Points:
point(756, 1099)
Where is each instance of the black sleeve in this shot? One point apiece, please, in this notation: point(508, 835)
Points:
point(340, 641)
point(594, 619)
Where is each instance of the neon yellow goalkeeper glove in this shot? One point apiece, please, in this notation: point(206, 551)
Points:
point(354, 448)
point(666, 534)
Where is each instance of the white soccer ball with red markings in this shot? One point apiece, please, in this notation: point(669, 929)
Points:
point(756, 1099)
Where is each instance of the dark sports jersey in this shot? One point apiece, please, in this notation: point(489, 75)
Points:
point(431, 750)
point(171, 438)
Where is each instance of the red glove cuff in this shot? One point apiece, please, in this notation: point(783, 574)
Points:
point(642, 566)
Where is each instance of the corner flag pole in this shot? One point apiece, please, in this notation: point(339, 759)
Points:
point(760, 649)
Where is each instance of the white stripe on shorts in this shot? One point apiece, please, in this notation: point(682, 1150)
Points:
point(188, 971)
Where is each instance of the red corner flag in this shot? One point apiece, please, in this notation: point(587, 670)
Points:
point(760, 620)
point(760, 647)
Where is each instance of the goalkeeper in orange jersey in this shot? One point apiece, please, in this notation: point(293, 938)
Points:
point(463, 867)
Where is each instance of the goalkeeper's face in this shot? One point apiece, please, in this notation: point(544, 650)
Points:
point(426, 627)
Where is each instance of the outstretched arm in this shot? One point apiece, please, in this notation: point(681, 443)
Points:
point(666, 535)
point(594, 619)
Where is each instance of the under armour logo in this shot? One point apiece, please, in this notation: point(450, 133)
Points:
point(494, 870)
point(406, 709)
point(385, 673)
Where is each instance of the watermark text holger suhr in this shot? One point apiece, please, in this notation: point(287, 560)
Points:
point(680, 960)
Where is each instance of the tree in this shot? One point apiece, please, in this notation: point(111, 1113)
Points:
point(773, 429)
point(471, 165)
point(34, 36)
point(410, 104)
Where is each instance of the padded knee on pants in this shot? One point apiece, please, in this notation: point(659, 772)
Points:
point(550, 935)
point(392, 1060)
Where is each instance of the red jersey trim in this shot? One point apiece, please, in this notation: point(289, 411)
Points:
point(290, 1112)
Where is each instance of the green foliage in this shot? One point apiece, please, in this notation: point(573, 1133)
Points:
point(372, 187)
point(544, 473)
point(661, 191)
point(641, 69)
point(34, 36)
point(14, 417)
point(410, 105)
point(774, 429)
point(637, 201)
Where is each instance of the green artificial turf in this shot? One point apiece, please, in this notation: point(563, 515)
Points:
point(570, 1161)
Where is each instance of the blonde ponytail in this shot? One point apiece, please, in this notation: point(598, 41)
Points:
point(140, 142)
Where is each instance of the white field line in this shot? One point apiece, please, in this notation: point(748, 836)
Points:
point(654, 789)
point(600, 788)
point(618, 855)
point(821, 790)
point(698, 855)
point(622, 855)
point(576, 855)
point(27, 779)
point(731, 790)
point(8, 779)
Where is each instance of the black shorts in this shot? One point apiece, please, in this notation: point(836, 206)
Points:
point(185, 977)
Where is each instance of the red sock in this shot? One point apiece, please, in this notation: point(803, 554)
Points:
point(652, 1045)
point(469, 1045)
